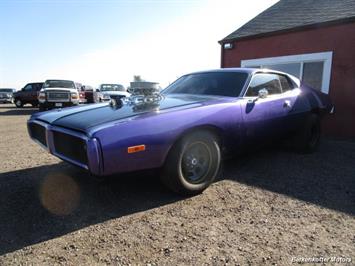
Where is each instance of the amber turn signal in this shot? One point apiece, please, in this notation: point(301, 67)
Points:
point(137, 148)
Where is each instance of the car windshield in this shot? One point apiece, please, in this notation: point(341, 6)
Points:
point(59, 84)
point(112, 87)
point(210, 83)
point(6, 90)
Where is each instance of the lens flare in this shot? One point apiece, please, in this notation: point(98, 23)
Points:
point(59, 194)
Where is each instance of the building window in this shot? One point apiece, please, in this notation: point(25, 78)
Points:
point(313, 69)
point(291, 68)
point(313, 74)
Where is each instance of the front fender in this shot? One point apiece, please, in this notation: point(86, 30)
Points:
point(158, 133)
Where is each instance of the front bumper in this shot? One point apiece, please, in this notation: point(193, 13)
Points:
point(6, 100)
point(69, 145)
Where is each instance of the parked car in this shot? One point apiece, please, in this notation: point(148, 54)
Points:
point(105, 91)
point(89, 93)
point(28, 94)
point(6, 95)
point(185, 130)
point(58, 94)
point(80, 88)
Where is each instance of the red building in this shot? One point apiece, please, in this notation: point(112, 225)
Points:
point(311, 39)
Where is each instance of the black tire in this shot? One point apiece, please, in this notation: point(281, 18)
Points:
point(192, 164)
point(308, 138)
point(18, 103)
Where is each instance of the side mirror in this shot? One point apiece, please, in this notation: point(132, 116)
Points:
point(263, 93)
point(97, 90)
point(23, 89)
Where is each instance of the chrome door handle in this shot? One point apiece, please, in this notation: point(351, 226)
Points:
point(287, 104)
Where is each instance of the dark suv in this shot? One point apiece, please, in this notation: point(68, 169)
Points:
point(28, 94)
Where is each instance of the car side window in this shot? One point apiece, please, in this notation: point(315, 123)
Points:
point(28, 87)
point(38, 86)
point(270, 82)
point(286, 84)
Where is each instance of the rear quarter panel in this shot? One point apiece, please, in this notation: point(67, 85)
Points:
point(318, 99)
point(306, 101)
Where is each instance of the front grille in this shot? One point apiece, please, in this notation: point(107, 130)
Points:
point(70, 146)
point(58, 96)
point(38, 132)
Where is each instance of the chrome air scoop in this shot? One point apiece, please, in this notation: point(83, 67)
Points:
point(144, 95)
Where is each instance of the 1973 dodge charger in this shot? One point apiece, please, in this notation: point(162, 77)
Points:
point(185, 129)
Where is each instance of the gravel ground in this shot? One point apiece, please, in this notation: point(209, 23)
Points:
point(267, 208)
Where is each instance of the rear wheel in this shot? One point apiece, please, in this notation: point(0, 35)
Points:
point(18, 103)
point(308, 138)
point(192, 164)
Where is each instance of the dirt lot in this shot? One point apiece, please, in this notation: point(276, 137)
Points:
point(266, 208)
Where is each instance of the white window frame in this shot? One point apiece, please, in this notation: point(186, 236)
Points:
point(325, 57)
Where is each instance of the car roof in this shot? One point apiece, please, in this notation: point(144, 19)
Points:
point(231, 69)
point(59, 80)
point(249, 71)
point(243, 70)
point(240, 70)
point(111, 84)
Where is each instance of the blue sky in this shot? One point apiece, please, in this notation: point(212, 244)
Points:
point(110, 41)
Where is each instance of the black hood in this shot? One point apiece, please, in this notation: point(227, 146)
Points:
point(85, 117)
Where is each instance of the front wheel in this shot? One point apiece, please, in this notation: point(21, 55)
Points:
point(192, 164)
point(18, 103)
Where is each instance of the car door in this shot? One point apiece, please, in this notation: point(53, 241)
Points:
point(263, 115)
point(36, 87)
point(293, 104)
point(27, 93)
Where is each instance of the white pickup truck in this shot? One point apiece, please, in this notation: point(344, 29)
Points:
point(58, 94)
point(105, 91)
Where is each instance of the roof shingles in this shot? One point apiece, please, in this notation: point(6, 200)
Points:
point(291, 14)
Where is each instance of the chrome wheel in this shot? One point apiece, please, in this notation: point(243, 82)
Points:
point(196, 162)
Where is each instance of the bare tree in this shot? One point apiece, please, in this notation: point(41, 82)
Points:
point(137, 78)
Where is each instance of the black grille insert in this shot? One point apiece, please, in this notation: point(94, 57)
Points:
point(70, 146)
point(38, 132)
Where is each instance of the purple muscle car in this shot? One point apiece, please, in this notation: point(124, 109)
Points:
point(184, 129)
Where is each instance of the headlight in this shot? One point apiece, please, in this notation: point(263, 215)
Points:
point(41, 96)
point(74, 96)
